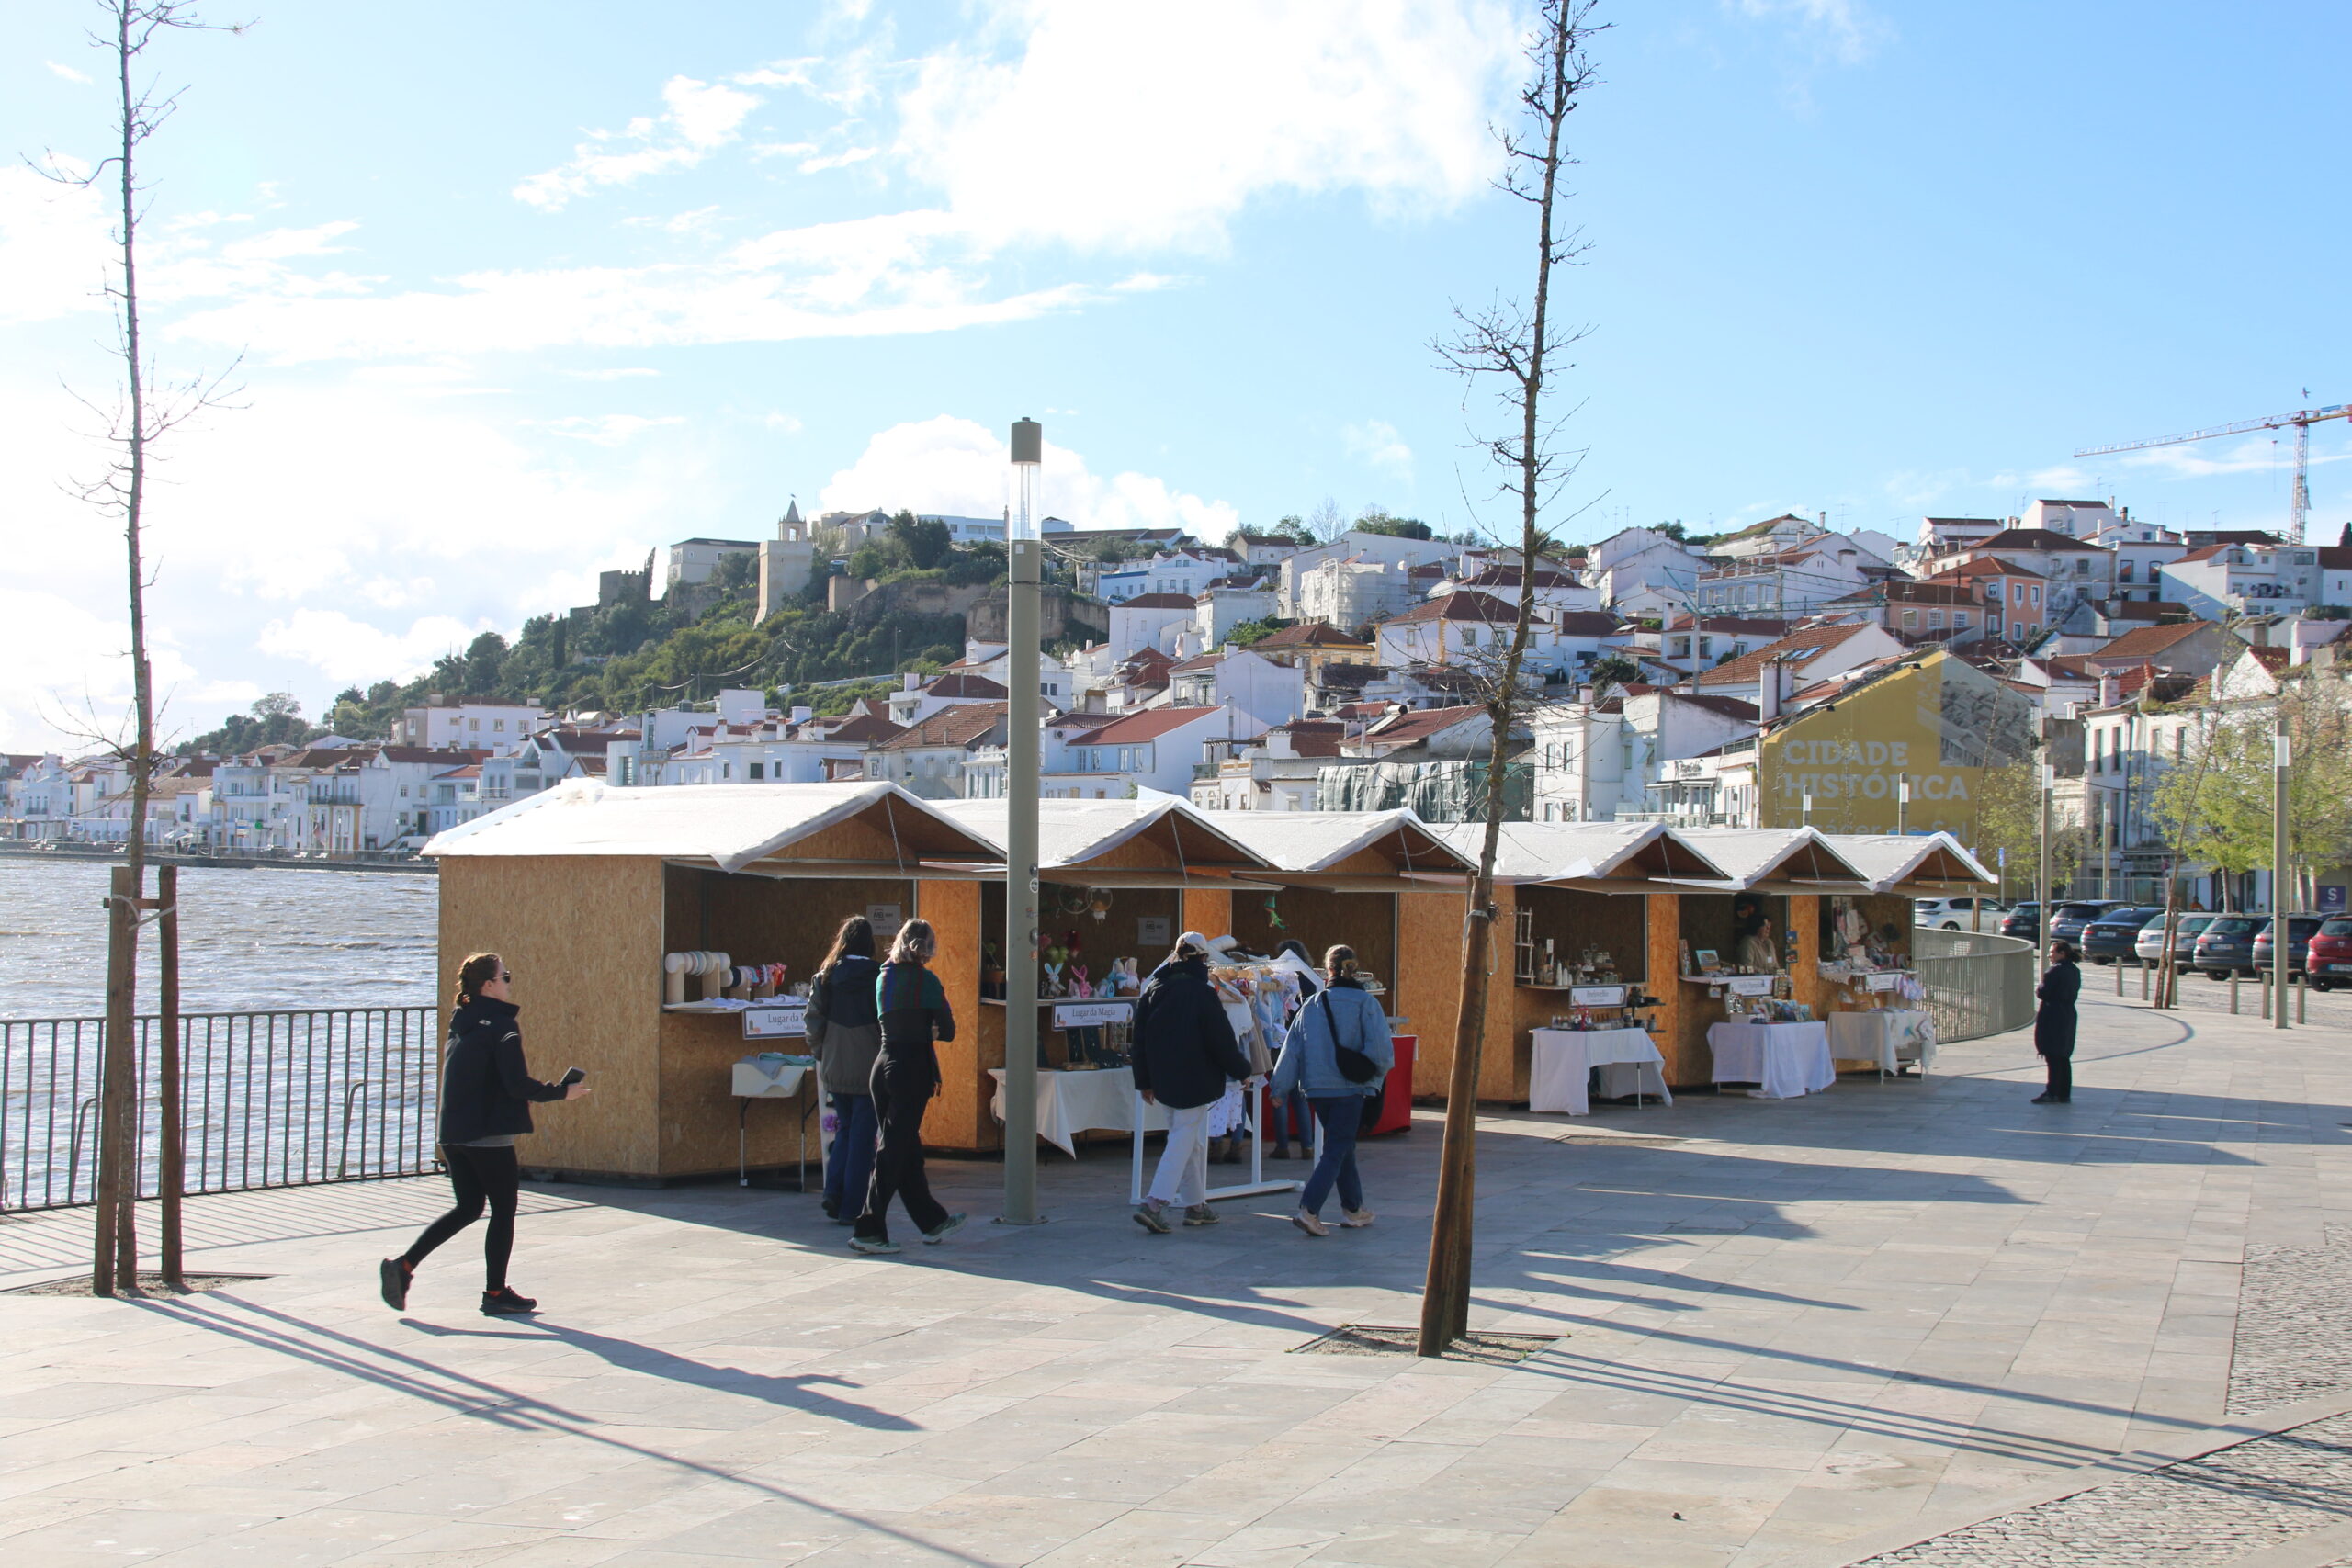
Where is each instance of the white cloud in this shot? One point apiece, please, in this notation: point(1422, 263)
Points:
point(605, 429)
point(54, 252)
point(1376, 442)
point(67, 71)
point(787, 422)
point(1845, 31)
point(701, 116)
point(958, 467)
point(619, 372)
point(343, 650)
point(1055, 135)
point(837, 159)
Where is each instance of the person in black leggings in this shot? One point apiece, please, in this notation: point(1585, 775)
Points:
point(914, 1012)
point(486, 1095)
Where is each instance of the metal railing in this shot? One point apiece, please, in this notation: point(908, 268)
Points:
point(1977, 983)
point(268, 1098)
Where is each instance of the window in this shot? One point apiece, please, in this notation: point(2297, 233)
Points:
point(497, 724)
point(473, 724)
point(2123, 572)
point(759, 770)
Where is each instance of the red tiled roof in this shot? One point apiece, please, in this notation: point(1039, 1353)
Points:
point(2335, 558)
point(1586, 623)
point(2145, 642)
point(1988, 569)
point(965, 686)
point(2033, 540)
point(1155, 602)
point(963, 724)
point(1198, 661)
point(1307, 634)
point(1730, 707)
point(1465, 605)
point(1416, 724)
point(2272, 658)
point(1750, 666)
point(862, 729)
point(1149, 725)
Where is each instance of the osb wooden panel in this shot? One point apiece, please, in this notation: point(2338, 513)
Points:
point(1805, 984)
point(584, 938)
point(1429, 980)
point(1683, 1067)
point(958, 1118)
point(1503, 1063)
point(699, 1107)
point(1208, 911)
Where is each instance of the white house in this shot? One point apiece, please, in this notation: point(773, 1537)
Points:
point(2222, 580)
point(1370, 550)
point(1267, 693)
point(1188, 572)
point(1554, 589)
point(446, 722)
point(914, 703)
point(1148, 620)
point(1346, 592)
point(694, 560)
point(1798, 660)
point(1640, 571)
point(1446, 630)
point(928, 759)
point(1157, 749)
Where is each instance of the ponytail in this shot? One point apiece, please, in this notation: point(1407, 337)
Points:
point(1340, 963)
point(479, 970)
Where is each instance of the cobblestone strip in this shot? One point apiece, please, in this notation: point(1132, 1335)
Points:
point(2204, 1511)
point(2294, 1334)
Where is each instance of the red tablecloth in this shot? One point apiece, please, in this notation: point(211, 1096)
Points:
point(1397, 1091)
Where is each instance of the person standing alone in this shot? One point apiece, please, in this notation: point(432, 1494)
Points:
point(1340, 1052)
point(2054, 1023)
point(486, 1094)
point(846, 1033)
point(913, 1009)
point(1185, 1056)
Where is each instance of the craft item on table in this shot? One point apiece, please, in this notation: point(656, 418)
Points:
point(1687, 969)
point(991, 972)
point(1709, 963)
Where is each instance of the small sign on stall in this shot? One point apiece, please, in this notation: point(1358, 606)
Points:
point(886, 919)
point(1151, 931)
point(1597, 996)
point(1749, 984)
point(1880, 982)
point(775, 1023)
point(1090, 1015)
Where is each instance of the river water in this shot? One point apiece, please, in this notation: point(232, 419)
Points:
point(250, 940)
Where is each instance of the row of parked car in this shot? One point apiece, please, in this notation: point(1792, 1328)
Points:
point(2319, 947)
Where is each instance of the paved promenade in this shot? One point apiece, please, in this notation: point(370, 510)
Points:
point(1812, 1331)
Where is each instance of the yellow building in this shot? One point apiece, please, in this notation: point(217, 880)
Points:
point(1937, 723)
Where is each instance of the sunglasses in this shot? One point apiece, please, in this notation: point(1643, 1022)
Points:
point(506, 977)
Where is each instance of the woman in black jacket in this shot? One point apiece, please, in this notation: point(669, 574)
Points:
point(2054, 1023)
point(1184, 1054)
point(846, 1033)
point(913, 1007)
point(486, 1094)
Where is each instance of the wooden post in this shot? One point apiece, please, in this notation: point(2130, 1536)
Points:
point(171, 1153)
point(115, 1232)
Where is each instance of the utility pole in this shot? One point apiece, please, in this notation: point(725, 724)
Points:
point(1022, 549)
point(2041, 869)
point(2281, 943)
point(1902, 804)
point(171, 1153)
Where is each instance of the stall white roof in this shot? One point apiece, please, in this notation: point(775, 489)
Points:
point(1317, 841)
point(729, 826)
point(1926, 863)
point(1797, 860)
point(1074, 833)
point(1619, 854)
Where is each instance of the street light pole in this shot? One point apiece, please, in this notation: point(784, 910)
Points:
point(1023, 549)
point(2041, 869)
point(2282, 941)
point(1902, 803)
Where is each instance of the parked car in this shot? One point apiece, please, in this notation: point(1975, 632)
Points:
point(2299, 931)
point(2226, 947)
point(2149, 947)
point(2067, 920)
point(1954, 914)
point(2023, 921)
point(2328, 961)
point(2113, 938)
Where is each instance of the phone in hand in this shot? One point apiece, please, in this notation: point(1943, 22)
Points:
point(570, 1076)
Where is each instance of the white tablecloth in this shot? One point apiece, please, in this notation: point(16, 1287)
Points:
point(1888, 1036)
point(1071, 1104)
point(1784, 1060)
point(1561, 1060)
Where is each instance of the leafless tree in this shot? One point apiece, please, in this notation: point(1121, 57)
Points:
point(143, 410)
point(1510, 345)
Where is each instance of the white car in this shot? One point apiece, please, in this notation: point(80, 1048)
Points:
point(1952, 914)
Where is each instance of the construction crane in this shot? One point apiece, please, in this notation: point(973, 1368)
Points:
point(2302, 422)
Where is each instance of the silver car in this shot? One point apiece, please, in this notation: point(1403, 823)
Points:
point(2150, 948)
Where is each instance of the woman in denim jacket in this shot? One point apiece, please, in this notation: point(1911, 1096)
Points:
point(1343, 1015)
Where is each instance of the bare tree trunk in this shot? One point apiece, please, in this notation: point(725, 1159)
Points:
point(1517, 346)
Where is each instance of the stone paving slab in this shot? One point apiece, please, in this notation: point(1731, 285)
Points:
point(1790, 1324)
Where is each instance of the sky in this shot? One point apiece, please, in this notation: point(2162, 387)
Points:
point(506, 295)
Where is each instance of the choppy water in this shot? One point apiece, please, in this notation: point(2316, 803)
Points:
point(249, 939)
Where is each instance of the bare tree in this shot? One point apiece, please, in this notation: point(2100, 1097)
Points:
point(143, 410)
point(1509, 346)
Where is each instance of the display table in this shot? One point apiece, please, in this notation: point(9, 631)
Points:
point(1783, 1060)
point(1561, 1061)
point(756, 1079)
point(1887, 1036)
point(1070, 1104)
point(1395, 1090)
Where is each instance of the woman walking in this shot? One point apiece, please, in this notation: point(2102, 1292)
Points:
point(486, 1094)
point(2054, 1023)
point(1185, 1056)
point(846, 1033)
point(1339, 1052)
point(912, 1007)
point(1291, 1113)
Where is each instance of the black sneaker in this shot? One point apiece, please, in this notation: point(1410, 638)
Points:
point(944, 1229)
point(392, 1278)
point(832, 1210)
point(504, 1302)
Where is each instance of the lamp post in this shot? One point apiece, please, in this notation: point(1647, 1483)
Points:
point(1808, 808)
point(2042, 868)
point(2281, 941)
point(1023, 549)
point(1902, 803)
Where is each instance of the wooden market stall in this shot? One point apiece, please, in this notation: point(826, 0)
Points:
point(586, 890)
point(1591, 893)
point(1118, 880)
point(1865, 937)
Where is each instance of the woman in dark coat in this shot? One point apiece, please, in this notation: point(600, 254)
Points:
point(487, 1091)
point(846, 1033)
point(2054, 1023)
point(1184, 1054)
point(913, 1009)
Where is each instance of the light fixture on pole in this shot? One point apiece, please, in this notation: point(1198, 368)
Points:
point(1023, 549)
point(1808, 808)
point(2281, 927)
point(1901, 802)
point(2042, 868)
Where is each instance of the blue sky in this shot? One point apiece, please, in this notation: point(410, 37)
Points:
point(523, 291)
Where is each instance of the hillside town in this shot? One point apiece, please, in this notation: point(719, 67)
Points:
point(1696, 684)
